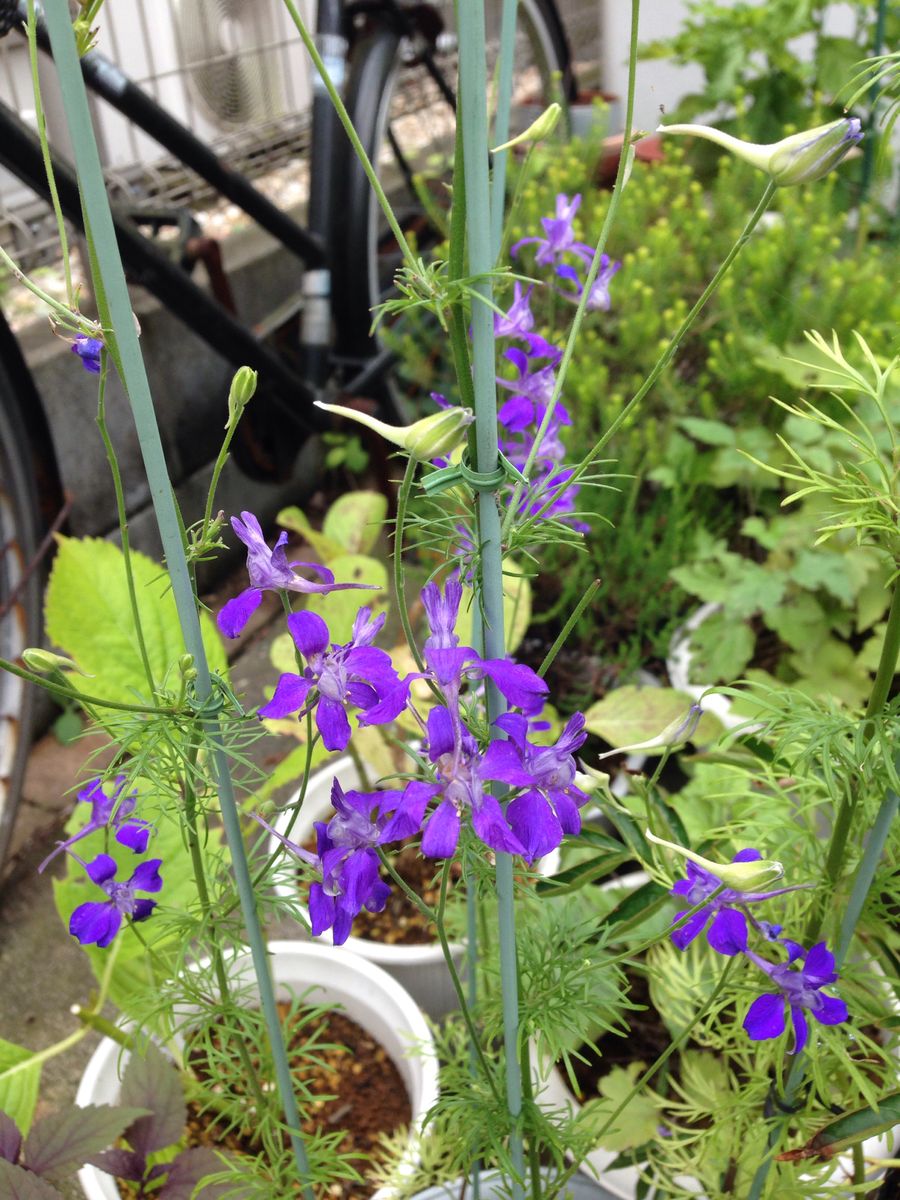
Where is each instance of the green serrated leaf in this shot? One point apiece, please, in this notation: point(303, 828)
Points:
point(296, 521)
point(721, 649)
point(799, 621)
point(20, 1080)
point(638, 1121)
point(339, 609)
point(711, 433)
point(355, 521)
point(88, 615)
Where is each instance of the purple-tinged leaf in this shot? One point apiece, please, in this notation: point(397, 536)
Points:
point(188, 1169)
point(10, 1139)
point(62, 1142)
point(124, 1164)
point(18, 1184)
point(152, 1082)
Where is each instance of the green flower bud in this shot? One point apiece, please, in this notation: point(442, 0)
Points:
point(46, 662)
point(243, 385)
point(800, 158)
point(741, 876)
point(541, 128)
point(432, 437)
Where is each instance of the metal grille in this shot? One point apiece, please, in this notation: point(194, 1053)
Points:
point(234, 71)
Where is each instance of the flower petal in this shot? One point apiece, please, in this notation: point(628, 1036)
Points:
point(801, 1029)
point(819, 965)
point(442, 832)
point(290, 693)
point(440, 733)
point(135, 835)
point(237, 612)
point(332, 723)
point(321, 910)
point(490, 824)
point(830, 1010)
point(502, 762)
point(765, 1017)
point(407, 819)
point(95, 922)
point(683, 937)
point(146, 876)
point(521, 686)
point(728, 933)
point(309, 632)
point(534, 823)
point(101, 869)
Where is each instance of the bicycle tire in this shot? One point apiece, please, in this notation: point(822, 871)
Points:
point(377, 98)
point(20, 599)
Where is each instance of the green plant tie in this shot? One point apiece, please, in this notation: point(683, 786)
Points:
point(478, 481)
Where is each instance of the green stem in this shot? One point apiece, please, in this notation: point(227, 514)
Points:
point(887, 662)
point(534, 1153)
point(70, 693)
point(71, 320)
point(437, 920)
point(121, 336)
point(399, 586)
point(31, 30)
point(122, 515)
point(612, 210)
point(582, 604)
point(344, 118)
point(669, 353)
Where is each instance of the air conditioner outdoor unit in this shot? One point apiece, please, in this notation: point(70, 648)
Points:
point(223, 67)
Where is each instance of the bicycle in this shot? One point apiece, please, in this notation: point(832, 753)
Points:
point(399, 62)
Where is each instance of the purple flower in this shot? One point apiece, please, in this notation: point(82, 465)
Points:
point(88, 350)
point(346, 860)
point(598, 298)
point(112, 811)
point(532, 391)
point(461, 772)
point(560, 235)
point(269, 570)
point(357, 673)
point(728, 932)
point(98, 921)
point(801, 987)
point(449, 664)
point(548, 809)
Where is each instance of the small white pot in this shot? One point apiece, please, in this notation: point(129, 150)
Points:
point(359, 989)
point(420, 969)
point(678, 666)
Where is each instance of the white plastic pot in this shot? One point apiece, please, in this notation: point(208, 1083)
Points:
point(358, 988)
point(420, 969)
point(493, 1188)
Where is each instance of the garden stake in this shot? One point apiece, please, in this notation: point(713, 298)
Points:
point(109, 281)
point(473, 117)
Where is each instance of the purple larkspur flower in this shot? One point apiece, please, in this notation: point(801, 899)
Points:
point(728, 932)
point(559, 234)
point(112, 811)
point(450, 664)
point(532, 391)
point(548, 808)
point(800, 986)
point(346, 860)
point(269, 570)
point(88, 350)
point(598, 298)
point(98, 921)
point(461, 773)
point(357, 673)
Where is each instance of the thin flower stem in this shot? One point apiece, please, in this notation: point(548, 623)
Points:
point(436, 918)
point(344, 118)
point(31, 30)
point(887, 663)
point(635, 951)
point(399, 587)
point(669, 353)
point(121, 337)
point(580, 311)
point(122, 515)
point(579, 608)
point(70, 693)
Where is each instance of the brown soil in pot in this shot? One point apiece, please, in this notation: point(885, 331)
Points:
point(360, 1093)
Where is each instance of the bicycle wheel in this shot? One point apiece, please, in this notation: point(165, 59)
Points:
point(402, 109)
point(19, 599)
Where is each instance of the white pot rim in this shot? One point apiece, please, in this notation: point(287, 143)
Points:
point(678, 668)
point(375, 983)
